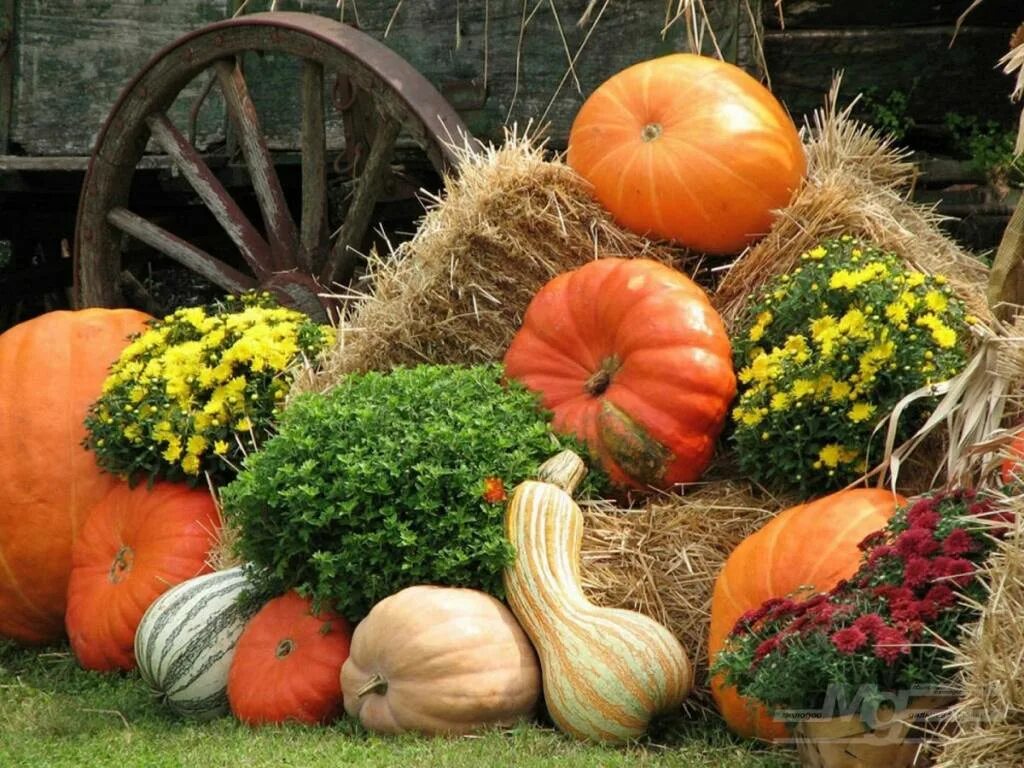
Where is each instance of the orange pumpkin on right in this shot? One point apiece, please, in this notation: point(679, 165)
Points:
point(808, 547)
point(688, 148)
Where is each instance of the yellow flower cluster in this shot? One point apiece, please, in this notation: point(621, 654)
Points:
point(827, 351)
point(200, 387)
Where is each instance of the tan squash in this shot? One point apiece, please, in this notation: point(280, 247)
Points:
point(439, 660)
point(607, 672)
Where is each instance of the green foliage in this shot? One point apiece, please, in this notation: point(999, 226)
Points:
point(389, 480)
point(888, 112)
point(989, 146)
point(824, 353)
point(886, 630)
point(200, 389)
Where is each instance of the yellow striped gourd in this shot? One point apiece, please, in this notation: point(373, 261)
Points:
point(606, 671)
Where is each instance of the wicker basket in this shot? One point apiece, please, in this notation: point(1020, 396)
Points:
point(847, 742)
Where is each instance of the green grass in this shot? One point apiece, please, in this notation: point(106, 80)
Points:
point(53, 714)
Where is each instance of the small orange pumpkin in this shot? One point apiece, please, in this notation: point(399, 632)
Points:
point(807, 547)
point(135, 545)
point(52, 368)
point(287, 664)
point(631, 358)
point(688, 148)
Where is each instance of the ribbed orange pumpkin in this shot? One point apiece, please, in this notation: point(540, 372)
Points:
point(135, 545)
point(51, 369)
point(688, 148)
point(808, 547)
point(287, 664)
point(632, 359)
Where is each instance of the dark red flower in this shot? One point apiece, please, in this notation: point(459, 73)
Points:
point(765, 647)
point(779, 609)
point(494, 490)
point(912, 629)
point(893, 594)
point(926, 519)
point(870, 623)
point(924, 504)
point(956, 569)
point(890, 644)
point(916, 541)
point(876, 554)
point(916, 572)
point(958, 542)
point(849, 639)
point(941, 595)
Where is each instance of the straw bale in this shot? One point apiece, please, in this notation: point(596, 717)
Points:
point(456, 292)
point(988, 722)
point(662, 560)
point(857, 183)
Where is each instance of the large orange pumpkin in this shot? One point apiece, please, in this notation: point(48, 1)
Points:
point(808, 547)
point(688, 148)
point(135, 545)
point(630, 357)
point(51, 369)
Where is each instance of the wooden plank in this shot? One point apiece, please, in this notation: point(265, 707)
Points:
point(370, 185)
point(938, 79)
point(245, 121)
point(73, 59)
point(183, 252)
point(839, 14)
point(208, 187)
point(485, 67)
point(6, 70)
point(313, 222)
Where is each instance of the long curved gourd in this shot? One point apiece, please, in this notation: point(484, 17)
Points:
point(606, 672)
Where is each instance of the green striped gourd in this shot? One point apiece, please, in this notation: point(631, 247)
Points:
point(606, 671)
point(186, 640)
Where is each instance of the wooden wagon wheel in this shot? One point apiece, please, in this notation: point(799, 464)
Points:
point(383, 97)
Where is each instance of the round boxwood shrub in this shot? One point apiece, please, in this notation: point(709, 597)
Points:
point(389, 480)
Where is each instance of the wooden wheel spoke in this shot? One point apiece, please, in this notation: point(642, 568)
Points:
point(369, 186)
point(276, 217)
point(186, 254)
point(253, 247)
point(313, 227)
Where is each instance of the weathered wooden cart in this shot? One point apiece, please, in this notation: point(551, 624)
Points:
point(264, 148)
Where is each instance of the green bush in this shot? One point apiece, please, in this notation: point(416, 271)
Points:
point(389, 480)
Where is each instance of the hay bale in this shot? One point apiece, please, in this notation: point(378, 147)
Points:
point(456, 292)
point(662, 560)
point(987, 725)
point(857, 183)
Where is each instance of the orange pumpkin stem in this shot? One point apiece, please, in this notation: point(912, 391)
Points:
point(651, 131)
point(376, 684)
point(122, 564)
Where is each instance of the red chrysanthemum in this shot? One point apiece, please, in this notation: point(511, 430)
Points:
point(765, 647)
point(956, 569)
point(876, 554)
point(916, 541)
point(870, 623)
point(926, 519)
point(890, 644)
point(941, 595)
point(958, 542)
point(916, 572)
point(849, 640)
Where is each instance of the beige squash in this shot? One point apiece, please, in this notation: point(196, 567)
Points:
point(607, 672)
point(439, 660)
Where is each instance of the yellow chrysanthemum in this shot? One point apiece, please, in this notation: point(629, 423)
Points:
point(860, 411)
